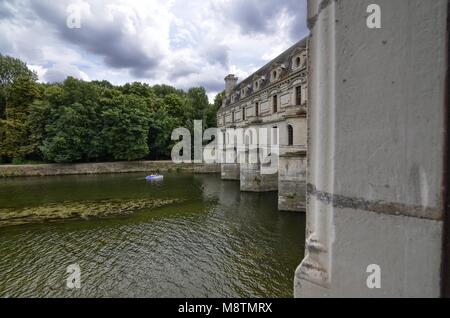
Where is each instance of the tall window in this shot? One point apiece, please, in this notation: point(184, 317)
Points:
point(243, 113)
point(298, 95)
point(232, 116)
point(290, 135)
point(274, 135)
point(256, 109)
point(275, 104)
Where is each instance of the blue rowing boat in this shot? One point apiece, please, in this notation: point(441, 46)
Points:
point(154, 177)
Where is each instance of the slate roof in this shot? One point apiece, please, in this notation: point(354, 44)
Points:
point(284, 58)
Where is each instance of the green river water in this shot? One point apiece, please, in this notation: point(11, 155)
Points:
point(209, 240)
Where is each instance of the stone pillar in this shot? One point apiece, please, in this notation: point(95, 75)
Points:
point(377, 111)
point(292, 179)
point(230, 169)
point(255, 175)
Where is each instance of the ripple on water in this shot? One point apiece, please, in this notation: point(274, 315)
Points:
point(218, 242)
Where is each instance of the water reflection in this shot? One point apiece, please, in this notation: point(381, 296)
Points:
point(219, 242)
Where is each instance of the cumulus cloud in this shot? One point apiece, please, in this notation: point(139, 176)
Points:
point(182, 43)
point(60, 71)
point(263, 16)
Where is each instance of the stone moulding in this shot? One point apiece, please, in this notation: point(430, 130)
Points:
point(293, 154)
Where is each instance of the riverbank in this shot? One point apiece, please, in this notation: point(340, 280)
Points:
point(102, 168)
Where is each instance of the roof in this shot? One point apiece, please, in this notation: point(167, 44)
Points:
point(284, 58)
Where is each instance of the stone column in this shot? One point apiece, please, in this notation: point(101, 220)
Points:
point(259, 162)
point(377, 110)
point(230, 170)
point(292, 179)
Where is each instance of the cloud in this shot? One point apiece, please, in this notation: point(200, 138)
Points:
point(107, 35)
point(6, 11)
point(59, 72)
point(217, 53)
point(176, 42)
point(262, 16)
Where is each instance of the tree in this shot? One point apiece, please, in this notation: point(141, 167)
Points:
point(164, 90)
point(10, 70)
point(218, 100)
point(136, 88)
point(174, 107)
point(196, 105)
point(125, 130)
point(78, 121)
point(72, 133)
point(66, 135)
point(15, 130)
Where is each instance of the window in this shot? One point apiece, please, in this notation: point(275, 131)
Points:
point(275, 103)
point(248, 137)
point(290, 130)
point(274, 75)
point(297, 61)
point(298, 95)
point(257, 109)
point(232, 116)
point(243, 113)
point(275, 135)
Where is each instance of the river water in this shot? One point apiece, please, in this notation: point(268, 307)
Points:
point(216, 242)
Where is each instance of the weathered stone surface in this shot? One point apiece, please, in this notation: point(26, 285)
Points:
point(91, 168)
point(207, 168)
point(252, 180)
point(375, 152)
point(230, 171)
point(292, 179)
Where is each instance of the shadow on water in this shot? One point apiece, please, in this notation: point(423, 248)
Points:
point(217, 242)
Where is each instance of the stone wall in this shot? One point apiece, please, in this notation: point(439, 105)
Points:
point(230, 171)
point(252, 180)
point(92, 168)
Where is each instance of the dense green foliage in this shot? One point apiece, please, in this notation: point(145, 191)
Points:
point(78, 121)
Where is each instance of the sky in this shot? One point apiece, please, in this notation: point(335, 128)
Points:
point(184, 43)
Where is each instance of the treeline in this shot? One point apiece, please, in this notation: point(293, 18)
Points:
point(78, 121)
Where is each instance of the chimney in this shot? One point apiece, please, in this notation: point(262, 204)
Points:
point(230, 83)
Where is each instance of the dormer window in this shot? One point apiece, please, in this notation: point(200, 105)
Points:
point(256, 85)
point(276, 73)
point(298, 61)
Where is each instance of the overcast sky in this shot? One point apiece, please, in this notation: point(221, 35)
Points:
point(183, 43)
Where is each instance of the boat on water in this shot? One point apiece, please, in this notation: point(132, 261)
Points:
point(154, 177)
